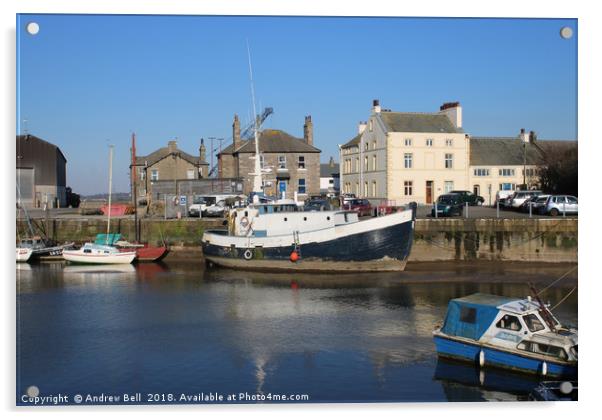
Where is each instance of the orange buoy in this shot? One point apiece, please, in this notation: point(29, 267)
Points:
point(294, 256)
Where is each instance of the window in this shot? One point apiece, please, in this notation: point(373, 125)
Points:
point(373, 144)
point(370, 125)
point(190, 174)
point(507, 186)
point(449, 186)
point(481, 172)
point(429, 142)
point(366, 146)
point(373, 188)
point(374, 162)
point(509, 322)
point(357, 188)
point(449, 161)
point(408, 142)
point(506, 172)
point(281, 162)
point(365, 188)
point(301, 162)
point(449, 142)
point(468, 315)
point(365, 163)
point(408, 187)
point(142, 174)
point(533, 322)
point(155, 175)
point(301, 189)
point(407, 160)
point(357, 164)
point(541, 348)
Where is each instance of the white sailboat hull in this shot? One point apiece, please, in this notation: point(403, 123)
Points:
point(23, 254)
point(81, 258)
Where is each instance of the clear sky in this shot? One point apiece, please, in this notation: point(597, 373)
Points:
point(87, 81)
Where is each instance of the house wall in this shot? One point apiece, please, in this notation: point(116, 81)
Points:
point(488, 186)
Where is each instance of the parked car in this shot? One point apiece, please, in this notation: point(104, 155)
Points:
point(200, 203)
point(361, 205)
point(347, 197)
point(216, 210)
point(503, 196)
point(469, 197)
point(560, 204)
point(519, 197)
point(535, 202)
point(448, 205)
point(317, 205)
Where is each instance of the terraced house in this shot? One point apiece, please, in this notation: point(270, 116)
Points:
point(291, 165)
point(400, 157)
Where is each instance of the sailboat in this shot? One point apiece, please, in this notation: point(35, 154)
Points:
point(93, 253)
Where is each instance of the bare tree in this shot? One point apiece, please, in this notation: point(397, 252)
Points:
point(559, 173)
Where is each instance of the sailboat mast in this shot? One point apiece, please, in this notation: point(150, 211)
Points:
point(110, 186)
point(134, 182)
point(257, 172)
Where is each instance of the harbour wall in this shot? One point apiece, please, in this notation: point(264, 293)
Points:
point(530, 240)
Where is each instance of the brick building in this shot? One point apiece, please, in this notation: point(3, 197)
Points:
point(291, 165)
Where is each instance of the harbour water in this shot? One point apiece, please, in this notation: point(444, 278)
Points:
point(181, 329)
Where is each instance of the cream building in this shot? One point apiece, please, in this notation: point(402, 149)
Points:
point(402, 157)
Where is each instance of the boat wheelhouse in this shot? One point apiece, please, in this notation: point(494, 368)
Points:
point(520, 335)
point(276, 236)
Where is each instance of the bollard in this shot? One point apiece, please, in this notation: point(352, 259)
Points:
point(497, 202)
point(466, 210)
point(435, 207)
point(530, 209)
point(564, 208)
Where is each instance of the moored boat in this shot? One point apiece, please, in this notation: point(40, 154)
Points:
point(517, 334)
point(92, 253)
point(23, 254)
point(144, 251)
point(277, 236)
point(44, 249)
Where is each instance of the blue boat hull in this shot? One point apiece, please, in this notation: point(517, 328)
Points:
point(502, 359)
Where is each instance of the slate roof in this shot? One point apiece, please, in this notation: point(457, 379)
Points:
point(327, 171)
point(162, 153)
point(354, 141)
point(273, 141)
point(32, 138)
point(413, 122)
point(489, 151)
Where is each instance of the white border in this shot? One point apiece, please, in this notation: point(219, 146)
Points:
point(589, 98)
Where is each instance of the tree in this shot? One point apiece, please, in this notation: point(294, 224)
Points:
point(559, 173)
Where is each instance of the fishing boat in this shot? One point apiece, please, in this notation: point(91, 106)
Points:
point(278, 236)
point(44, 249)
point(92, 253)
point(23, 254)
point(516, 334)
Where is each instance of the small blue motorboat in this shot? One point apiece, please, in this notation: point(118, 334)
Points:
point(517, 334)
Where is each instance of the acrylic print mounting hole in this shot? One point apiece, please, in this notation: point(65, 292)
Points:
point(32, 28)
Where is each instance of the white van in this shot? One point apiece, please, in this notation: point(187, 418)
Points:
point(199, 205)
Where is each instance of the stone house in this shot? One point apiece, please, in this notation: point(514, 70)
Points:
point(167, 164)
point(291, 165)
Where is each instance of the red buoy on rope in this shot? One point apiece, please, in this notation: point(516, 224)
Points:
point(294, 256)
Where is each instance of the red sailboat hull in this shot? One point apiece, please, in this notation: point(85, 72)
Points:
point(151, 253)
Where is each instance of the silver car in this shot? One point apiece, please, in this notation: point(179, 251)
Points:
point(560, 204)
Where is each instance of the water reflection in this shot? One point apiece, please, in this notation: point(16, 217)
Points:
point(181, 328)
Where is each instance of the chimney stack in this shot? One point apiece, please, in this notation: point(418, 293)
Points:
point(172, 146)
point(523, 135)
point(532, 136)
point(453, 110)
point(236, 132)
point(361, 127)
point(376, 106)
point(308, 131)
point(203, 151)
point(331, 162)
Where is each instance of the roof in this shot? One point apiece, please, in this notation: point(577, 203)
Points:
point(162, 153)
point(354, 141)
point(510, 150)
point(414, 122)
point(328, 171)
point(30, 137)
point(273, 141)
point(485, 299)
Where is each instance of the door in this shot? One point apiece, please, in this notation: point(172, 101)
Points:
point(429, 192)
point(476, 189)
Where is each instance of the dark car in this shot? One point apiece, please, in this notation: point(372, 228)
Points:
point(361, 205)
point(448, 205)
point(469, 197)
point(317, 205)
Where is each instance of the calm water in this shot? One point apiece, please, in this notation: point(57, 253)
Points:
point(172, 329)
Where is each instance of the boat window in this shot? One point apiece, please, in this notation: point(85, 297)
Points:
point(574, 351)
point(544, 349)
point(509, 322)
point(468, 315)
point(533, 322)
point(327, 217)
point(285, 219)
point(106, 252)
point(87, 251)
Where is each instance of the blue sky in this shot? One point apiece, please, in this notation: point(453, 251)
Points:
point(87, 81)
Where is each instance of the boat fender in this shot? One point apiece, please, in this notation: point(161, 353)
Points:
point(481, 358)
point(544, 369)
point(294, 256)
point(248, 254)
point(244, 222)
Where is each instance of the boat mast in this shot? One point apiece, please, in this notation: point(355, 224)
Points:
point(257, 171)
point(110, 184)
point(134, 181)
